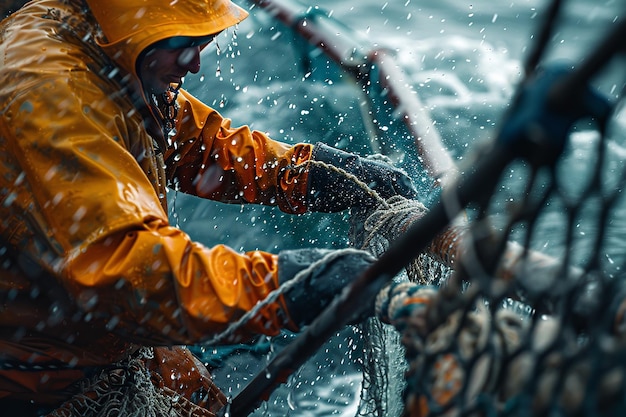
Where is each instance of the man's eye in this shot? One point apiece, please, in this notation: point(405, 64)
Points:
point(186, 56)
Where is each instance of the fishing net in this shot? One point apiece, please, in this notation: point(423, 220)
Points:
point(130, 388)
point(493, 327)
point(519, 307)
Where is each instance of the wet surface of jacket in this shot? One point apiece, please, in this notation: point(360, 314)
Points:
point(91, 268)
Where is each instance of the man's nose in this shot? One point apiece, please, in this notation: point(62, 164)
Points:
point(189, 59)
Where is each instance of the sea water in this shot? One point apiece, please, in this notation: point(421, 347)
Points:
point(464, 58)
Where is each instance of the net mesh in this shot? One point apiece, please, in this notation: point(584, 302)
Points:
point(127, 389)
point(519, 309)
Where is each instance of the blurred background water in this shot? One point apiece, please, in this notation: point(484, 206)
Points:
point(462, 57)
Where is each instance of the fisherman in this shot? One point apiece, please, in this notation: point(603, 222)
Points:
point(97, 289)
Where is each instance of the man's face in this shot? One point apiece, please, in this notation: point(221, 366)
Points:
point(161, 67)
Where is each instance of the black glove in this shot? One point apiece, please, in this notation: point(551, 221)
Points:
point(307, 298)
point(330, 191)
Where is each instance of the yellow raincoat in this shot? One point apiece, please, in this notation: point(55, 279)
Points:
point(96, 270)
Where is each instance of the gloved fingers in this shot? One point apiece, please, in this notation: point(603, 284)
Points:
point(387, 180)
point(321, 275)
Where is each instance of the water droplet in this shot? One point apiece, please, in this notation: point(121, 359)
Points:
point(291, 400)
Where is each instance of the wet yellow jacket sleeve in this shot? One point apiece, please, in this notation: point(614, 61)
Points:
point(216, 161)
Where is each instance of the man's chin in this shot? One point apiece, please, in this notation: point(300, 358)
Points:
point(176, 84)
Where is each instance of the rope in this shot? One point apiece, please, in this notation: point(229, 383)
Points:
point(380, 222)
point(383, 353)
point(383, 361)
